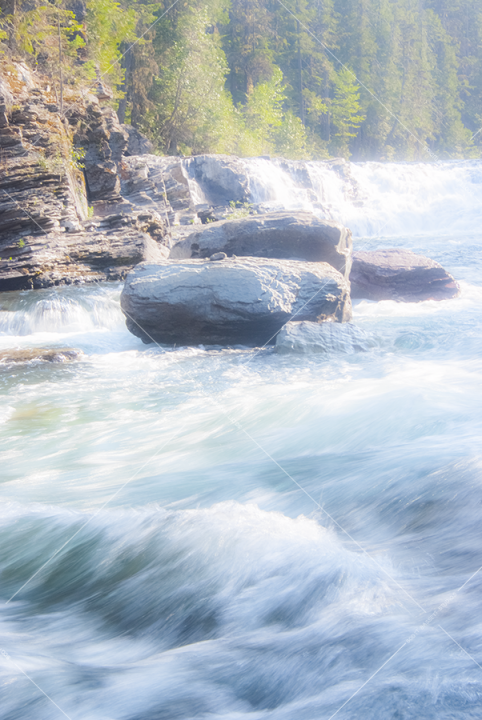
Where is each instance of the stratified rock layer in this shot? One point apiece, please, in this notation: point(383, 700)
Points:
point(46, 237)
point(399, 275)
point(233, 301)
point(102, 250)
point(283, 235)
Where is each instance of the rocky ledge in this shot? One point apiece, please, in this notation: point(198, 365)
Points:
point(95, 251)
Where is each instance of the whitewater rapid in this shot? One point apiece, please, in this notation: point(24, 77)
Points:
point(250, 536)
point(375, 199)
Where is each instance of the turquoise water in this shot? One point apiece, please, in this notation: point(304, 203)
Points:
point(232, 533)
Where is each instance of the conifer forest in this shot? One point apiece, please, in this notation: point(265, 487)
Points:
point(303, 79)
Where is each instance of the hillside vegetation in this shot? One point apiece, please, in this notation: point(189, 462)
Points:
point(370, 79)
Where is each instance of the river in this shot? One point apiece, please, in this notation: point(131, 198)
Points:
point(237, 534)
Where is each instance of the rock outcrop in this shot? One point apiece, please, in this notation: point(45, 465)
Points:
point(222, 178)
point(309, 337)
point(41, 188)
point(233, 301)
point(102, 137)
point(399, 275)
point(46, 236)
point(94, 251)
point(137, 143)
point(160, 183)
point(283, 235)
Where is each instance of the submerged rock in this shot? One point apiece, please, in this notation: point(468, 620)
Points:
point(283, 235)
point(236, 301)
point(53, 355)
point(309, 337)
point(399, 275)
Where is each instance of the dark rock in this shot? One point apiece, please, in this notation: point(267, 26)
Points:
point(399, 275)
point(101, 177)
point(207, 216)
point(45, 237)
point(237, 301)
point(118, 138)
point(62, 258)
point(137, 143)
point(284, 235)
point(218, 256)
point(104, 140)
point(309, 337)
point(79, 8)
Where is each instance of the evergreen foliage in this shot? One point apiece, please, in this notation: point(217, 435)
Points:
point(370, 79)
point(108, 26)
point(345, 110)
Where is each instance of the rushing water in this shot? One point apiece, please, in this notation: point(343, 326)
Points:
point(251, 535)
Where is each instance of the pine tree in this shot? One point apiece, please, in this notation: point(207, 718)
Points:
point(345, 111)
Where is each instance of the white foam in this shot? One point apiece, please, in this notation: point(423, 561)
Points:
point(376, 199)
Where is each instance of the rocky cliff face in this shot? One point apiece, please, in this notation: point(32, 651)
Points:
point(56, 170)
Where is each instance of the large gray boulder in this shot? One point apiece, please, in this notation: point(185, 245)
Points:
point(402, 275)
point(305, 338)
point(234, 301)
point(284, 235)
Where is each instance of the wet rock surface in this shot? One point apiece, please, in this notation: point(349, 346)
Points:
point(401, 275)
point(308, 337)
point(300, 236)
point(222, 177)
point(236, 301)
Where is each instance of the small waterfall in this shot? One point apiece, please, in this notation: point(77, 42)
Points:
point(59, 313)
point(373, 199)
point(281, 185)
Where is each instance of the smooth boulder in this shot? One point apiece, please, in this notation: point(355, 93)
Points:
point(282, 235)
point(399, 275)
point(233, 301)
point(308, 337)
